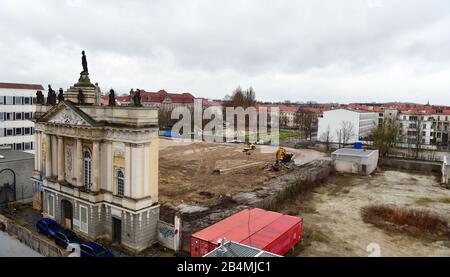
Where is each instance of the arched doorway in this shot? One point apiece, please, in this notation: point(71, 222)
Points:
point(67, 214)
point(7, 186)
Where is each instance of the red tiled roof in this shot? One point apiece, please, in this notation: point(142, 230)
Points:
point(158, 97)
point(21, 86)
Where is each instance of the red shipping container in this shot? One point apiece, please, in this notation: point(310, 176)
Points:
point(264, 228)
point(279, 236)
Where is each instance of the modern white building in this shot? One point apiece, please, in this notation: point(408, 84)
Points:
point(17, 107)
point(345, 125)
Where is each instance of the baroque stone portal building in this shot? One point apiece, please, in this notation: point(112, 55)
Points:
point(96, 167)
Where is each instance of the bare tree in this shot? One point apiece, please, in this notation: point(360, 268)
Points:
point(164, 119)
point(386, 136)
point(326, 138)
point(346, 132)
point(418, 136)
point(283, 120)
point(306, 122)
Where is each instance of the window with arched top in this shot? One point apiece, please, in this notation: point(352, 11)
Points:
point(120, 181)
point(87, 169)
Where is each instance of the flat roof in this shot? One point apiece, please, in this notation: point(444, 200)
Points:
point(14, 155)
point(354, 152)
point(234, 249)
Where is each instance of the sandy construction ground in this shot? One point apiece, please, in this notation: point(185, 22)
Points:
point(186, 170)
point(333, 225)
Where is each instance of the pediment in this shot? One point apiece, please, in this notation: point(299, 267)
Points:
point(66, 115)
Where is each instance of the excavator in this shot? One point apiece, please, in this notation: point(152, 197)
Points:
point(247, 149)
point(283, 158)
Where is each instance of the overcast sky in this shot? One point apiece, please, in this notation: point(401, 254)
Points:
point(325, 51)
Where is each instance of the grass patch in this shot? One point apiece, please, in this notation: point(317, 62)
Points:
point(425, 200)
point(309, 210)
point(290, 194)
point(319, 236)
point(344, 181)
point(286, 134)
point(414, 222)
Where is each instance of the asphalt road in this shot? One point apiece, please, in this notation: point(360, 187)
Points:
point(10, 247)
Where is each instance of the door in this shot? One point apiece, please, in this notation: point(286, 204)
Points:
point(67, 217)
point(117, 230)
point(7, 187)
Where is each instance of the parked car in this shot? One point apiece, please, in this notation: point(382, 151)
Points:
point(48, 227)
point(64, 237)
point(92, 249)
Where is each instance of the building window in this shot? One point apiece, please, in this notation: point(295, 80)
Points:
point(51, 205)
point(27, 115)
point(9, 116)
point(27, 146)
point(84, 219)
point(87, 169)
point(2, 100)
point(9, 100)
point(19, 100)
point(18, 116)
point(27, 131)
point(120, 180)
point(1, 116)
point(19, 131)
point(27, 100)
point(18, 146)
point(9, 132)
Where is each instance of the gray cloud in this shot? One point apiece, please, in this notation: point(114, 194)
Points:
point(353, 50)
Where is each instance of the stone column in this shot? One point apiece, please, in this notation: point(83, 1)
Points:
point(37, 148)
point(95, 165)
point(54, 152)
point(79, 163)
point(61, 167)
point(48, 156)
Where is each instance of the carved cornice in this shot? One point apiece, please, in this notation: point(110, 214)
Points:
point(99, 133)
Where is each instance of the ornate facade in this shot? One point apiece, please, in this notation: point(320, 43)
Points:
point(97, 167)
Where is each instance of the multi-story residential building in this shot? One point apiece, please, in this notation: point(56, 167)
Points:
point(429, 129)
point(287, 116)
point(17, 107)
point(96, 167)
point(346, 126)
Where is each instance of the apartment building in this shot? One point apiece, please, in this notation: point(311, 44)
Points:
point(429, 129)
point(17, 107)
point(357, 125)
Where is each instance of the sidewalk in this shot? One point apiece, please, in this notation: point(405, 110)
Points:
point(10, 247)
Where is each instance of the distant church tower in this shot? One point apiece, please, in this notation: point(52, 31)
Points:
point(96, 167)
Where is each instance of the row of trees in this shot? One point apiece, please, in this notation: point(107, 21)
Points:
point(344, 134)
point(241, 98)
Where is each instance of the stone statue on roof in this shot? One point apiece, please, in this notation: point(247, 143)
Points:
point(112, 98)
point(137, 98)
point(84, 63)
point(51, 96)
point(80, 97)
point(40, 98)
point(61, 95)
